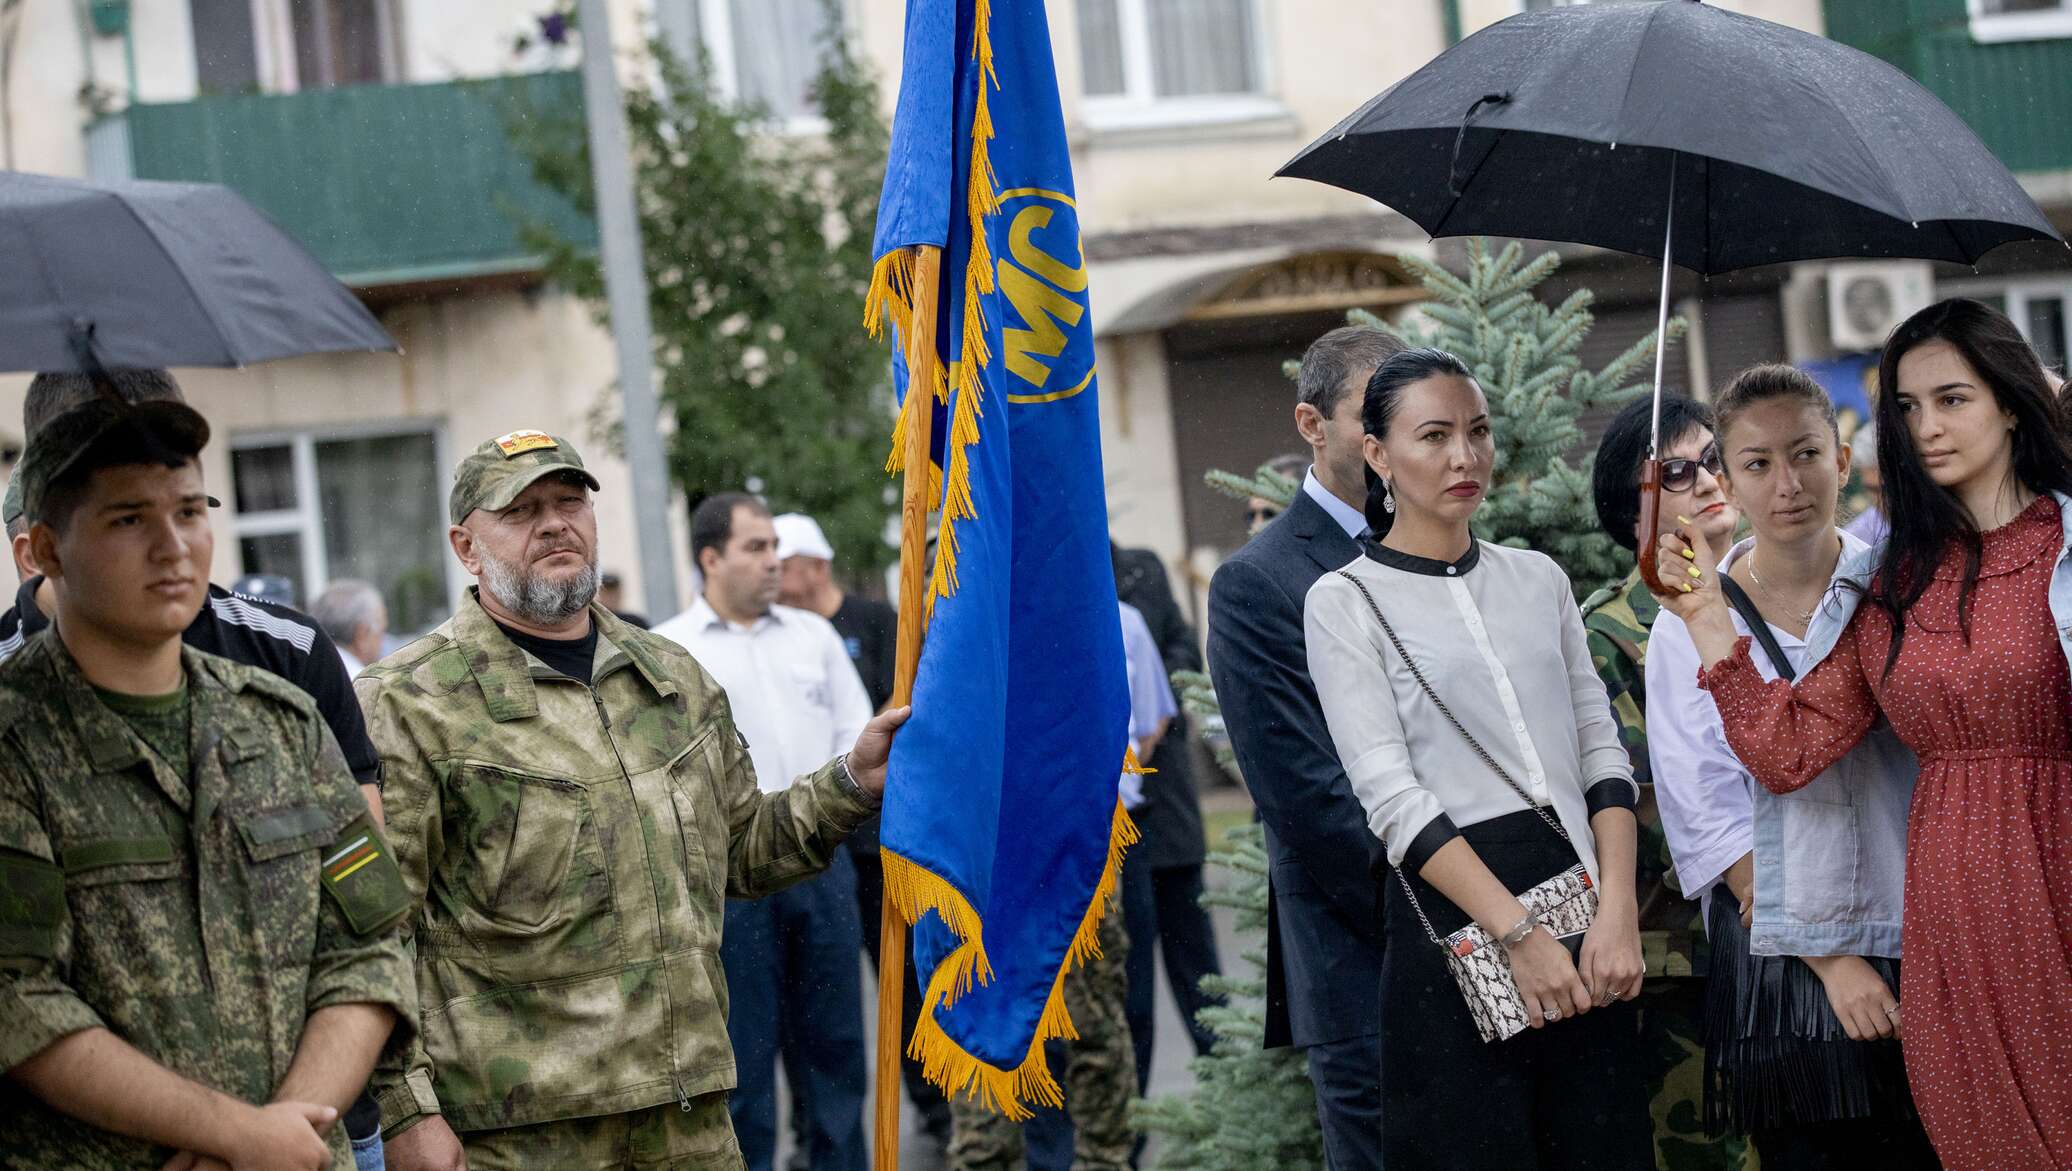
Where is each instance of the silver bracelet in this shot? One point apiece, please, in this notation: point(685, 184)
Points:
point(1516, 935)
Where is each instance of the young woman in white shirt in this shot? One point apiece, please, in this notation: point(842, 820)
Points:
point(1802, 1009)
point(1496, 637)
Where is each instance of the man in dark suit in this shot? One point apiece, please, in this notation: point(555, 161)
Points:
point(1323, 942)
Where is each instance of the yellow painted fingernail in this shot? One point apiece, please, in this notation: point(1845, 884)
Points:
point(1683, 520)
point(1689, 556)
point(1693, 571)
point(1685, 587)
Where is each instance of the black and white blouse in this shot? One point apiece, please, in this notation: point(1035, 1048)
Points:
point(1499, 637)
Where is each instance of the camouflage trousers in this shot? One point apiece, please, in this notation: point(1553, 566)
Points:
point(658, 1138)
point(1672, 1013)
point(1099, 1076)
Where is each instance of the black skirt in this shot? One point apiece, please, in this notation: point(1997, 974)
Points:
point(1776, 1054)
point(1568, 1097)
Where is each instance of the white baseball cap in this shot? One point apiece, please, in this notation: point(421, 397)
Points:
point(799, 535)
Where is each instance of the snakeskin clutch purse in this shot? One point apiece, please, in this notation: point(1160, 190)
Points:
point(1565, 905)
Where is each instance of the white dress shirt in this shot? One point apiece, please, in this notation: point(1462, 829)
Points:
point(1351, 519)
point(796, 697)
point(1701, 789)
point(1498, 636)
point(1151, 695)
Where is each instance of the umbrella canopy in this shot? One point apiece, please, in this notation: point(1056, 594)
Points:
point(160, 274)
point(1587, 123)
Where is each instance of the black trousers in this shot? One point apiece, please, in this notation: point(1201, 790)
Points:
point(1568, 1097)
point(1162, 906)
point(1347, 1078)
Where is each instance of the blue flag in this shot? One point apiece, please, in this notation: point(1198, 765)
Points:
point(1002, 834)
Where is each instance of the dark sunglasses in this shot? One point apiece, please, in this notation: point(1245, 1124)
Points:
point(1259, 516)
point(1679, 474)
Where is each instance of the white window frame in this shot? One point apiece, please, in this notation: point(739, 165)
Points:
point(713, 28)
point(1139, 107)
point(273, 45)
point(1989, 28)
point(2017, 293)
point(306, 519)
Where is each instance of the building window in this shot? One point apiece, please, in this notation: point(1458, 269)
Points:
point(2041, 309)
point(2020, 20)
point(1168, 61)
point(285, 45)
point(364, 504)
point(763, 53)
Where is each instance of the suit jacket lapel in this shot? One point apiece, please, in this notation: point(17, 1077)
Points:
point(1321, 538)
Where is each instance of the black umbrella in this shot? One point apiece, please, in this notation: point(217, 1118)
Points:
point(159, 274)
point(1715, 140)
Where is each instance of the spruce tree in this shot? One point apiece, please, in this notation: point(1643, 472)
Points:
point(1251, 1106)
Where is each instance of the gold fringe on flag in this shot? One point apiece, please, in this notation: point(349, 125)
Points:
point(1010, 1091)
point(891, 295)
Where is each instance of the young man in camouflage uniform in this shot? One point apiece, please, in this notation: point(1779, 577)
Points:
point(198, 960)
point(572, 806)
point(1099, 1075)
point(1616, 622)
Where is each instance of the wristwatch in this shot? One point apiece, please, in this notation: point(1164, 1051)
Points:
point(1516, 935)
point(846, 781)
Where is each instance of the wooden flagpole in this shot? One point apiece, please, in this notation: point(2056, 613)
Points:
point(914, 508)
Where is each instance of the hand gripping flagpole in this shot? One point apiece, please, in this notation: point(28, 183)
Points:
point(1651, 468)
point(914, 508)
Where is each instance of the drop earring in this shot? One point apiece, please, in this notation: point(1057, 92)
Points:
point(1388, 498)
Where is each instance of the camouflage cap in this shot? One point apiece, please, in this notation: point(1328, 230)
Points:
point(495, 473)
point(59, 444)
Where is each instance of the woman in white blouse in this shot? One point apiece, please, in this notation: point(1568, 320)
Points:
point(1803, 890)
point(1495, 632)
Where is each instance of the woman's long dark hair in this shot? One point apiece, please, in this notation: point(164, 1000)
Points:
point(1926, 517)
point(1378, 409)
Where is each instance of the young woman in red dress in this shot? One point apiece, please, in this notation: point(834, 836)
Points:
point(1960, 637)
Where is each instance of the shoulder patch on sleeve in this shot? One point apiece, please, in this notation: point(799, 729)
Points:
point(32, 906)
point(360, 875)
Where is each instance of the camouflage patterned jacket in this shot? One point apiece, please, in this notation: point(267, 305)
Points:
point(202, 918)
point(569, 851)
point(1616, 622)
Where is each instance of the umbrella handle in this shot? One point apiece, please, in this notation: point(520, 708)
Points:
point(1650, 517)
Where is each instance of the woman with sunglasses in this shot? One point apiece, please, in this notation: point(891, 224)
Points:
point(1799, 1052)
point(1618, 620)
point(1958, 630)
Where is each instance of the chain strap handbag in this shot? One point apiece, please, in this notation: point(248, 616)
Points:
point(1564, 904)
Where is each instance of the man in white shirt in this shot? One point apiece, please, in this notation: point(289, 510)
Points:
point(790, 959)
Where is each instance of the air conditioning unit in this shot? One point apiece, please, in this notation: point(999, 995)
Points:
point(1866, 299)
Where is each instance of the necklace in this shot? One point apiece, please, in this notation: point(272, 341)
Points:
point(1799, 617)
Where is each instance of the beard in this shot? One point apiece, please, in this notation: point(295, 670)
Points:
point(534, 598)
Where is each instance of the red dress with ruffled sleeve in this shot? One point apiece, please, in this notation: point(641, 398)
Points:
point(1986, 980)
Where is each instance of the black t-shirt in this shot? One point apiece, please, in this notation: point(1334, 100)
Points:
point(870, 633)
point(259, 634)
point(570, 656)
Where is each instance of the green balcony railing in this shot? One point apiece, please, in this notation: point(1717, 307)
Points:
point(2015, 94)
point(386, 184)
